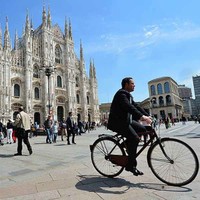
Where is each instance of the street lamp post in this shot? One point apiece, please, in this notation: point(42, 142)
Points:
point(48, 71)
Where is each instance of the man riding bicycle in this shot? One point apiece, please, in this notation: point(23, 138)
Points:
point(123, 119)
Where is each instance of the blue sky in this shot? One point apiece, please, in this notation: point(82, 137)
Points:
point(145, 39)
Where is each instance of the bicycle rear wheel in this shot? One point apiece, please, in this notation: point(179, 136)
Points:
point(101, 150)
point(181, 169)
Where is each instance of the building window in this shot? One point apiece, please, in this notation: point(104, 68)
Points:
point(153, 90)
point(36, 72)
point(77, 82)
point(161, 101)
point(16, 90)
point(58, 55)
point(59, 81)
point(77, 98)
point(159, 88)
point(166, 87)
point(168, 100)
point(154, 102)
point(37, 93)
point(88, 100)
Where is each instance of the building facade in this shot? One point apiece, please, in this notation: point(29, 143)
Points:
point(185, 94)
point(164, 98)
point(104, 111)
point(26, 78)
point(196, 84)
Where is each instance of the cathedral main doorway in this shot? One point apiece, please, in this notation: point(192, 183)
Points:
point(37, 117)
point(60, 113)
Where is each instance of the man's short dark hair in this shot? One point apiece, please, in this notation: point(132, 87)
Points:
point(21, 108)
point(125, 80)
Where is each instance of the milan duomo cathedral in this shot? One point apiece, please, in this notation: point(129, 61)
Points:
point(43, 74)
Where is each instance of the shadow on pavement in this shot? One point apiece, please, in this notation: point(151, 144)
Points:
point(6, 155)
point(119, 186)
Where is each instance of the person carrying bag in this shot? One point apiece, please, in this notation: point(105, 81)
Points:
point(22, 124)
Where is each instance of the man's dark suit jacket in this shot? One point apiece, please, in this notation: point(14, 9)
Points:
point(121, 108)
point(70, 124)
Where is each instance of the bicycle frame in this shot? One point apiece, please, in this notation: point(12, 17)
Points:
point(152, 135)
point(110, 156)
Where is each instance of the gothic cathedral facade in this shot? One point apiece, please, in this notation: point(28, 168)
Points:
point(43, 74)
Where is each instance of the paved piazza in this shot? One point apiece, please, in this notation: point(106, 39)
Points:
point(61, 171)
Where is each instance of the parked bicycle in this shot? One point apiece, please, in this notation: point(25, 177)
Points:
point(171, 160)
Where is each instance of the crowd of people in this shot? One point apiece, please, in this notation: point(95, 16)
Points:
point(66, 128)
point(21, 129)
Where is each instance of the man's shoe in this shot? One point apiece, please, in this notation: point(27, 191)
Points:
point(74, 142)
point(30, 152)
point(17, 154)
point(135, 171)
point(68, 143)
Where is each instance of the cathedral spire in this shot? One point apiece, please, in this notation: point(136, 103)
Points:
point(94, 70)
point(31, 24)
point(66, 29)
point(81, 51)
point(27, 26)
point(91, 69)
point(16, 41)
point(7, 44)
point(0, 38)
point(44, 17)
point(49, 19)
point(70, 30)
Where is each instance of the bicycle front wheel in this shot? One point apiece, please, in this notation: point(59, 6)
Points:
point(181, 166)
point(102, 149)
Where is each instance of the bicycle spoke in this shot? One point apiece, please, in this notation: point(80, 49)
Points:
point(102, 148)
point(183, 168)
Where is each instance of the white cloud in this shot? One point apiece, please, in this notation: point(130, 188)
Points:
point(169, 31)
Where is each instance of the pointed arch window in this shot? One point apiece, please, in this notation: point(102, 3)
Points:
point(58, 54)
point(88, 100)
point(77, 98)
point(77, 82)
point(36, 73)
point(37, 93)
point(16, 90)
point(59, 81)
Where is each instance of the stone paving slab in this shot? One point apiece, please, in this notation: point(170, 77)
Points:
point(59, 171)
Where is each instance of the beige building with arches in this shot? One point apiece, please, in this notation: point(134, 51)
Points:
point(164, 98)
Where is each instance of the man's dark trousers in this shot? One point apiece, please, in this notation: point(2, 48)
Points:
point(132, 141)
point(23, 135)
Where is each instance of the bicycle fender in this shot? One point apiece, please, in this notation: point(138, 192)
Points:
point(105, 135)
point(100, 137)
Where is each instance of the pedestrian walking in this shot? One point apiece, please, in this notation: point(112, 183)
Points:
point(9, 132)
point(23, 126)
point(48, 128)
point(63, 127)
point(55, 131)
point(70, 129)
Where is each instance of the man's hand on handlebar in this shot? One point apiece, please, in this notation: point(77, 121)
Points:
point(147, 119)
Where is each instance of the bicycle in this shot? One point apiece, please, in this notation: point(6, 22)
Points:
point(171, 160)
